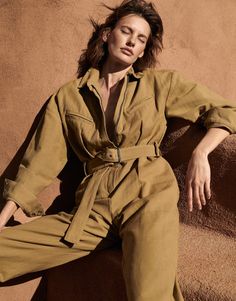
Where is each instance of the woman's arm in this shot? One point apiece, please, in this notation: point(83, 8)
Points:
point(198, 173)
point(43, 160)
point(195, 102)
point(8, 210)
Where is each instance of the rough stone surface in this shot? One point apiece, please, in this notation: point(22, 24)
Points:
point(40, 45)
point(219, 214)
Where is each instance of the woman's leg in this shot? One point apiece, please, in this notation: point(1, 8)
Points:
point(150, 251)
point(38, 245)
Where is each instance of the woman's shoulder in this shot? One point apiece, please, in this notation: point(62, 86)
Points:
point(69, 86)
point(161, 73)
point(66, 94)
point(160, 76)
point(172, 77)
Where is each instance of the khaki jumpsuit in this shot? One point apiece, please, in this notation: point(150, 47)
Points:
point(129, 191)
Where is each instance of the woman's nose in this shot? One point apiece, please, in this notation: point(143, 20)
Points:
point(131, 42)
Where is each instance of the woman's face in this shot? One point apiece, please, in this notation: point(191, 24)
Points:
point(127, 41)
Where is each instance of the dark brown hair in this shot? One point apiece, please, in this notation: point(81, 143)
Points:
point(96, 52)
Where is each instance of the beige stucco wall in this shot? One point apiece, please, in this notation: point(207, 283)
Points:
point(41, 42)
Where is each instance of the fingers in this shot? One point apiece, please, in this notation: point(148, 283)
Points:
point(198, 193)
point(208, 189)
point(198, 182)
point(202, 196)
point(193, 195)
point(3, 228)
point(189, 196)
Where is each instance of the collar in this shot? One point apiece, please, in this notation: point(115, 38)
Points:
point(92, 76)
point(136, 75)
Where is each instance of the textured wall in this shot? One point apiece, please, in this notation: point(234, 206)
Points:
point(41, 42)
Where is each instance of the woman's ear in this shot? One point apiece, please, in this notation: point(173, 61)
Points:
point(105, 34)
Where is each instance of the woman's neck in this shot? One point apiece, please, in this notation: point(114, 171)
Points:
point(111, 75)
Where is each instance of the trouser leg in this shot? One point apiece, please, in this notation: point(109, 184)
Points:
point(38, 245)
point(150, 249)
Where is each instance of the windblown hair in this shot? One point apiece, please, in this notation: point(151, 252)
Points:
point(96, 52)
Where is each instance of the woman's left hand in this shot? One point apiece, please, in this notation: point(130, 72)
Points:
point(198, 179)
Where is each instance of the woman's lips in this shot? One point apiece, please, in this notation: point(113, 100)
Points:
point(127, 51)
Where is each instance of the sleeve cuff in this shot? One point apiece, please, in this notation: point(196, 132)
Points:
point(23, 198)
point(212, 124)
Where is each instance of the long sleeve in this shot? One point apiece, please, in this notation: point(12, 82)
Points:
point(193, 101)
point(45, 157)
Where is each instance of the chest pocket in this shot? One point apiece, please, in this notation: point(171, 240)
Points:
point(78, 117)
point(143, 111)
point(81, 132)
point(141, 103)
point(145, 117)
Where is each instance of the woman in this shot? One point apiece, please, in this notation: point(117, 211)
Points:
point(114, 118)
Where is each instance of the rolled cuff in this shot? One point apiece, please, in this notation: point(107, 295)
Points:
point(212, 124)
point(27, 201)
point(223, 117)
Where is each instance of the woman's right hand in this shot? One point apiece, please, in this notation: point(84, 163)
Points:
point(8, 210)
point(2, 224)
point(2, 228)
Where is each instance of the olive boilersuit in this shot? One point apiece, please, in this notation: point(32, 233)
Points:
point(129, 191)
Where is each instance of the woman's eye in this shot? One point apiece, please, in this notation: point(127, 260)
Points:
point(142, 41)
point(124, 31)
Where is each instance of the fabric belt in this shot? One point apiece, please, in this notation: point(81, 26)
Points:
point(95, 169)
point(109, 156)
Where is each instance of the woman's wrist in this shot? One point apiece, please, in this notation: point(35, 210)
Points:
point(199, 152)
point(3, 221)
point(8, 210)
point(210, 141)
